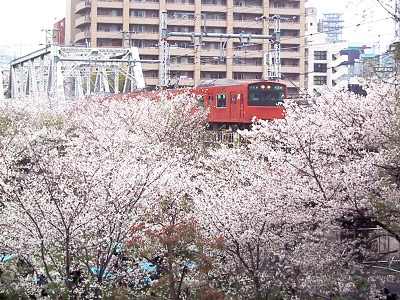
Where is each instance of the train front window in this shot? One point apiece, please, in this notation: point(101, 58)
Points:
point(266, 94)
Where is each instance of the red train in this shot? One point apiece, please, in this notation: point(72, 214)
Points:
point(232, 103)
point(240, 103)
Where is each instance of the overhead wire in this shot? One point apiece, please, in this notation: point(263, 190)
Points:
point(255, 52)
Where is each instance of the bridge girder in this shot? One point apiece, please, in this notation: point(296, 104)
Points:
point(76, 72)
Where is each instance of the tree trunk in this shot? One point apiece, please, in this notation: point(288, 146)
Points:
point(258, 288)
point(172, 290)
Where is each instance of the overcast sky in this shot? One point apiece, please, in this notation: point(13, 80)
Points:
point(22, 21)
point(366, 22)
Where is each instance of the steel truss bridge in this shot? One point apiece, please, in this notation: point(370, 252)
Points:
point(75, 72)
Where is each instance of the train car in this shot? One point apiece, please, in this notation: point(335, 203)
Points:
point(234, 104)
point(241, 103)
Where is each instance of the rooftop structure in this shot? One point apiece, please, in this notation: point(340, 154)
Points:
point(332, 25)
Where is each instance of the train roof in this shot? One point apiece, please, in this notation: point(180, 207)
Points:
point(219, 82)
point(230, 82)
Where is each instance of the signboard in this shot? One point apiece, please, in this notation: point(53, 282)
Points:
point(383, 69)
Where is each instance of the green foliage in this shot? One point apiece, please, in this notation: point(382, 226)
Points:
point(51, 120)
point(5, 124)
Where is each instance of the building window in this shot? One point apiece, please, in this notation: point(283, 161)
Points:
point(109, 12)
point(321, 68)
point(319, 80)
point(320, 55)
point(238, 76)
point(278, 4)
point(180, 60)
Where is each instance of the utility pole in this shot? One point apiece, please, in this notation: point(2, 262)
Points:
point(124, 40)
point(49, 33)
point(273, 64)
point(165, 75)
point(1, 84)
point(273, 69)
point(397, 21)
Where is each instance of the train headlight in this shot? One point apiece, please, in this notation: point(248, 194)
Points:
point(262, 87)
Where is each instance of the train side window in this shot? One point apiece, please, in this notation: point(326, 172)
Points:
point(221, 100)
point(233, 98)
point(200, 101)
point(210, 100)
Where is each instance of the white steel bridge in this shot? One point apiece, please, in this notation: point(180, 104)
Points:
point(74, 72)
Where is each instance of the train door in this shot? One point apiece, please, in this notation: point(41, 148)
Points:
point(241, 106)
point(234, 106)
point(211, 104)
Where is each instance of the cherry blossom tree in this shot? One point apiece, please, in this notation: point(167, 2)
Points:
point(340, 155)
point(76, 176)
point(93, 190)
point(272, 244)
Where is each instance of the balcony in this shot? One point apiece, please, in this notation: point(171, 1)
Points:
point(82, 21)
point(210, 52)
point(144, 21)
point(82, 6)
point(145, 36)
point(246, 53)
point(109, 19)
point(182, 51)
point(213, 8)
point(145, 5)
point(247, 24)
point(180, 7)
point(181, 22)
point(150, 66)
point(248, 9)
point(291, 69)
point(290, 54)
point(82, 36)
point(110, 4)
point(285, 11)
point(182, 67)
point(151, 81)
point(216, 23)
point(109, 35)
point(248, 68)
point(291, 25)
point(292, 40)
point(213, 68)
point(149, 51)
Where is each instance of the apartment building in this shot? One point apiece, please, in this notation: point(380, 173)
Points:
point(99, 23)
point(326, 64)
point(59, 32)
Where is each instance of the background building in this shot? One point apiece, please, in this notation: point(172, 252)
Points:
point(99, 23)
point(332, 25)
point(326, 64)
point(59, 32)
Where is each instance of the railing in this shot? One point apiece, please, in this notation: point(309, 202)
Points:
point(248, 5)
point(286, 7)
point(224, 137)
